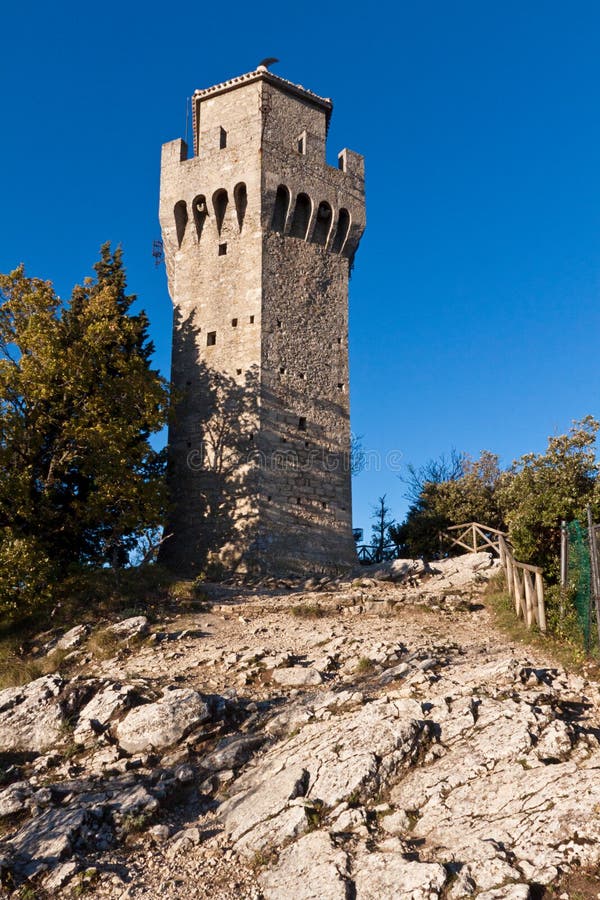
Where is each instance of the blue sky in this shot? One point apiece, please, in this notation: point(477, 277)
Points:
point(474, 300)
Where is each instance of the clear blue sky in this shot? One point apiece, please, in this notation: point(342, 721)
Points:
point(475, 296)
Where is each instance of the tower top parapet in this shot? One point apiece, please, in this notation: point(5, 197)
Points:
point(263, 74)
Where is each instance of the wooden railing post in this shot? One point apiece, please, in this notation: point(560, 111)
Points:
point(529, 613)
point(539, 585)
point(519, 598)
point(524, 582)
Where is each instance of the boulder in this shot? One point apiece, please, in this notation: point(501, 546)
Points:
point(70, 639)
point(96, 715)
point(310, 869)
point(13, 799)
point(31, 718)
point(232, 752)
point(392, 875)
point(155, 726)
point(297, 676)
point(136, 626)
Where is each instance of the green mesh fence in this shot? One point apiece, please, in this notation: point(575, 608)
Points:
point(579, 577)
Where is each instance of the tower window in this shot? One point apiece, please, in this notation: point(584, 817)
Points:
point(298, 500)
point(323, 224)
point(211, 338)
point(220, 200)
point(222, 249)
point(341, 385)
point(302, 375)
point(240, 195)
point(234, 323)
point(252, 320)
point(280, 210)
point(239, 372)
point(200, 211)
point(222, 138)
point(301, 218)
point(279, 323)
point(302, 423)
point(282, 370)
point(181, 218)
point(301, 143)
point(341, 233)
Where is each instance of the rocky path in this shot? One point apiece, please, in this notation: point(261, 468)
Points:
point(362, 738)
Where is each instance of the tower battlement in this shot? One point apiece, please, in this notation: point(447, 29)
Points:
point(259, 233)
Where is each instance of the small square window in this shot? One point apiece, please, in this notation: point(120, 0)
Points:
point(222, 249)
point(252, 320)
point(238, 371)
point(282, 370)
point(341, 385)
point(234, 323)
point(298, 500)
point(211, 338)
point(279, 323)
point(302, 375)
point(302, 423)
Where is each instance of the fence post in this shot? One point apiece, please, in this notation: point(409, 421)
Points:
point(528, 598)
point(564, 555)
point(519, 598)
point(594, 568)
point(539, 589)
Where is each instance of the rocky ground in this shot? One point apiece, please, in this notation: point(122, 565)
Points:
point(367, 737)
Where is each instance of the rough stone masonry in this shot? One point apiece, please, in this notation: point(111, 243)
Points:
point(259, 235)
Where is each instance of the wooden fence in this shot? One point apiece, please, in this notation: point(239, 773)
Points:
point(525, 582)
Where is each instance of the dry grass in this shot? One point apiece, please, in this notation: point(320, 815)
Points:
point(18, 668)
point(568, 654)
point(364, 665)
point(103, 644)
point(309, 611)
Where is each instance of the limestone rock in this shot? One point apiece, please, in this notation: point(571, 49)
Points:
point(72, 638)
point(31, 718)
point(232, 752)
point(391, 875)
point(13, 799)
point(297, 676)
point(96, 715)
point(47, 839)
point(310, 869)
point(155, 726)
point(135, 626)
point(333, 760)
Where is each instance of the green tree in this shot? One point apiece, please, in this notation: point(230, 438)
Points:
point(541, 489)
point(447, 491)
point(79, 400)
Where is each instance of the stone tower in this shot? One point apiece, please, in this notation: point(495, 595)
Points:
point(259, 236)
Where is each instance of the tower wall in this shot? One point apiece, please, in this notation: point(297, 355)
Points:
point(259, 442)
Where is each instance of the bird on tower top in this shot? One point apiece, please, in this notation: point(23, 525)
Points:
point(264, 64)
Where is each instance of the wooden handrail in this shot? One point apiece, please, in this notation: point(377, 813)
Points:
point(525, 582)
point(478, 525)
